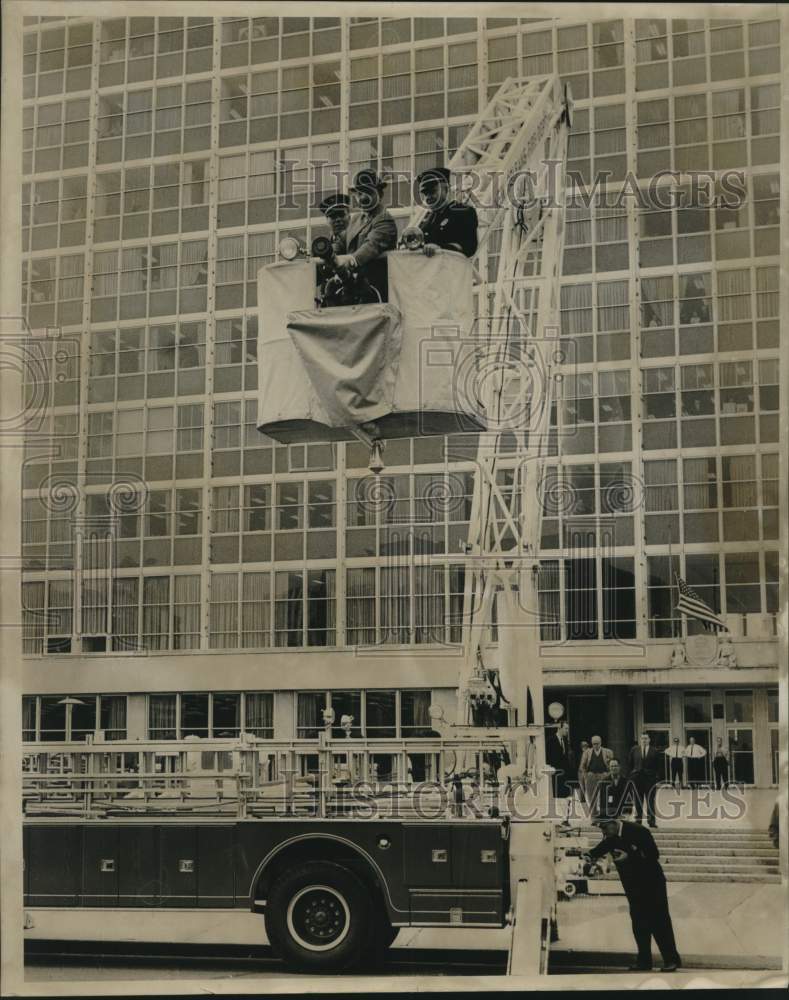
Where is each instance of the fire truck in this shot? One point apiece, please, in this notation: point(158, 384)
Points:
point(335, 860)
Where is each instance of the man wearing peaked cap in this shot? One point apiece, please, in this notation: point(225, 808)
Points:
point(337, 209)
point(448, 225)
point(636, 857)
point(371, 232)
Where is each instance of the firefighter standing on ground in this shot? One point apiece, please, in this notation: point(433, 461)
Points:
point(636, 857)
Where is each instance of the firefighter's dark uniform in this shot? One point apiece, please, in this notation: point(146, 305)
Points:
point(452, 223)
point(645, 887)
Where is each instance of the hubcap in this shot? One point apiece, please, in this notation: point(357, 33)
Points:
point(318, 917)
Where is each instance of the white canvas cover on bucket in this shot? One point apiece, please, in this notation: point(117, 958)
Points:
point(408, 364)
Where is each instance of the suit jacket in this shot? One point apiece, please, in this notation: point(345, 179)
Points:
point(452, 223)
point(617, 797)
point(368, 236)
point(644, 764)
point(641, 868)
point(586, 757)
point(562, 760)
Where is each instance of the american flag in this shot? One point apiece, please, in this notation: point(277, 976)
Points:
point(690, 604)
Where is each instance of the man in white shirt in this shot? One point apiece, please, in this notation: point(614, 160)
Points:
point(676, 756)
point(695, 754)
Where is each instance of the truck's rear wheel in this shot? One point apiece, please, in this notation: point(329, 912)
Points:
point(318, 916)
point(381, 935)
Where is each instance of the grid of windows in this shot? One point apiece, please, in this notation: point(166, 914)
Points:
point(59, 718)
point(284, 608)
point(157, 443)
point(729, 498)
point(375, 714)
point(735, 584)
point(143, 48)
point(212, 714)
point(175, 248)
point(699, 405)
point(147, 363)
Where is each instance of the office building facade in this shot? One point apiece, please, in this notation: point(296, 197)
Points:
point(185, 576)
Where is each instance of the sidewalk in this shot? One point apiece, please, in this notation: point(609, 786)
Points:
point(719, 923)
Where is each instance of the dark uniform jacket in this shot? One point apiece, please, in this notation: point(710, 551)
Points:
point(452, 223)
point(617, 797)
point(641, 868)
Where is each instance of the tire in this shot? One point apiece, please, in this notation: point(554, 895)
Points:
point(318, 917)
point(569, 890)
point(382, 934)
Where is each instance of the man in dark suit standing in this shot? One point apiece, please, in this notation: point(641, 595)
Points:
point(559, 754)
point(449, 224)
point(371, 232)
point(637, 862)
point(644, 762)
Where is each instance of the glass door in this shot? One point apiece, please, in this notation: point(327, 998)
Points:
point(739, 730)
point(741, 755)
point(698, 768)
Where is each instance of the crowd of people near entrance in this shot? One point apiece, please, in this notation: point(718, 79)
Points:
point(605, 783)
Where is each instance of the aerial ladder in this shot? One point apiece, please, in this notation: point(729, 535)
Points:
point(511, 165)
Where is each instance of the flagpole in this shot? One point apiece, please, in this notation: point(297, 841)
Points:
point(671, 584)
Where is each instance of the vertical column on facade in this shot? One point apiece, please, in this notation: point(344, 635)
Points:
point(341, 495)
point(636, 396)
point(78, 517)
point(482, 63)
point(616, 736)
point(210, 343)
point(345, 105)
point(783, 436)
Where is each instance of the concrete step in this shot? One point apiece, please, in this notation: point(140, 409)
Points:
point(697, 833)
point(712, 866)
point(711, 877)
point(770, 856)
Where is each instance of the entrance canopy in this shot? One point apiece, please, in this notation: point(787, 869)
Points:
point(403, 368)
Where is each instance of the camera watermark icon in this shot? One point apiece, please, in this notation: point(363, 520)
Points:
point(494, 385)
point(37, 360)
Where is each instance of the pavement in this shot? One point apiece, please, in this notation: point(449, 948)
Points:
point(717, 924)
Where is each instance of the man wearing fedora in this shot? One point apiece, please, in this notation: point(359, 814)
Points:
point(370, 233)
point(636, 857)
point(448, 225)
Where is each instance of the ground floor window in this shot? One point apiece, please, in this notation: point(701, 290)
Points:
point(63, 718)
point(217, 715)
point(384, 714)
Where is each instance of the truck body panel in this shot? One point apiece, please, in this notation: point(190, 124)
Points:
point(428, 873)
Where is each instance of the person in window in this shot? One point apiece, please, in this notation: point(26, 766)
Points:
point(720, 764)
point(448, 225)
point(370, 233)
point(695, 753)
point(676, 756)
